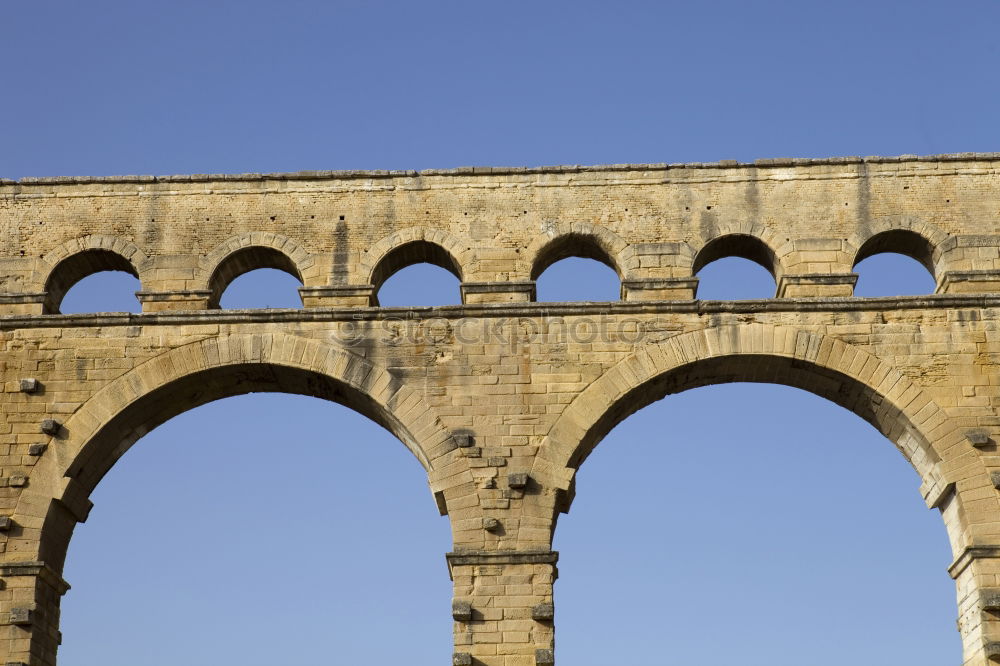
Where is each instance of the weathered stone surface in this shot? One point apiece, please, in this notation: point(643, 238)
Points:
point(51, 427)
point(21, 616)
point(517, 480)
point(980, 440)
point(461, 611)
point(543, 612)
point(500, 382)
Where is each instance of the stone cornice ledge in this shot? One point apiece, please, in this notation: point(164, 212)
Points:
point(970, 554)
point(503, 171)
point(39, 569)
point(501, 310)
point(499, 557)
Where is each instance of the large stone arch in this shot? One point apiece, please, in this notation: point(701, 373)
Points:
point(115, 417)
point(823, 365)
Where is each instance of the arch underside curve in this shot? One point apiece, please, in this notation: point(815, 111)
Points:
point(251, 251)
point(243, 261)
point(914, 237)
point(108, 424)
point(410, 246)
point(823, 365)
point(77, 259)
point(744, 246)
point(581, 239)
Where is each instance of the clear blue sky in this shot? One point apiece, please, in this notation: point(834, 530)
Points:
point(265, 529)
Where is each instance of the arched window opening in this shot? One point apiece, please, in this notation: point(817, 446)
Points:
point(255, 259)
point(576, 279)
point(420, 285)
point(106, 291)
point(788, 526)
point(417, 273)
point(92, 281)
point(895, 263)
point(736, 267)
point(262, 288)
point(575, 267)
point(235, 519)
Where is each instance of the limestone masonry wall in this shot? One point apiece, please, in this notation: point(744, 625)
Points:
point(500, 399)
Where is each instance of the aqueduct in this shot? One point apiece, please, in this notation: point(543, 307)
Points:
point(78, 390)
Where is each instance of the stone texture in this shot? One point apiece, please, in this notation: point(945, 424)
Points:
point(499, 383)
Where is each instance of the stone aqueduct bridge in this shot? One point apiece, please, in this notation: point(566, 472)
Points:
point(501, 399)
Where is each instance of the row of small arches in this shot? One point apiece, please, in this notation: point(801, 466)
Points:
point(746, 268)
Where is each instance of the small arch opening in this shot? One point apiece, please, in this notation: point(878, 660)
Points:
point(574, 268)
point(105, 291)
point(576, 279)
point(262, 288)
point(95, 280)
point(418, 273)
point(736, 267)
point(895, 263)
point(419, 285)
point(562, 247)
point(269, 280)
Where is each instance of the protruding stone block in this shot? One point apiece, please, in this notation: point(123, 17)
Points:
point(51, 427)
point(545, 657)
point(21, 616)
point(37, 449)
point(491, 524)
point(6, 522)
point(461, 611)
point(461, 659)
point(992, 650)
point(517, 480)
point(989, 600)
point(30, 385)
point(543, 612)
point(995, 479)
point(17, 480)
point(978, 439)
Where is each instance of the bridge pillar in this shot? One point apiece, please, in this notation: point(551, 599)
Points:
point(29, 613)
point(977, 579)
point(502, 607)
